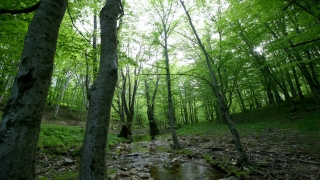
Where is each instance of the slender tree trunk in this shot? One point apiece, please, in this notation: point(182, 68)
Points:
point(297, 83)
point(242, 156)
point(129, 105)
point(170, 102)
point(64, 88)
point(20, 126)
point(290, 83)
point(150, 108)
point(242, 105)
point(94, 45)
point(6, 86)
point(93, 160)
point(308, 77)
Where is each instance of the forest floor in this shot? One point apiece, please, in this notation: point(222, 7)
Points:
point(280, 144)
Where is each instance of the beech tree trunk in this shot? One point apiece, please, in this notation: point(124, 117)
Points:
point(242, 156)
point(93, 160)
point(150, 108)
point(175, 140)
point(20, 125)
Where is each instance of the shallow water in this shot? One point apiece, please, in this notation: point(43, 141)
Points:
point(161, 169)
point(185, 171)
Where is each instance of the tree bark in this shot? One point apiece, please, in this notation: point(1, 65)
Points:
point(170, 103)
point(129, 105)
point(242, 156)
point(150, 105)
point(93, 160)
point(20, 125)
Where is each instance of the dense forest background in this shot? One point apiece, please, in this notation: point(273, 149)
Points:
point(172, 63)
point(261, 52)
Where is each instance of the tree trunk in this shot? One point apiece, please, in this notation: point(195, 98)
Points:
point(6, 86)
point(20, 125)
point(150, 105)
point(170, 103)
point(129, 105)
point(93, 160)
point(242, 156)
point(297, 83)
point(242, 105)
point(64, 88)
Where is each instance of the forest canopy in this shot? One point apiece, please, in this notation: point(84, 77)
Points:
point(172, 63)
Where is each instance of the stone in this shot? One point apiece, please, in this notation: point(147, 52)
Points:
point(229, 178)
point(133, 171)
point(67, 161)
point(175, 161)
point(168, 166)
point(146, 169)
point(144, 175)
point(123, 168)
point(124, 153)
point(112, 176)
point(124, 174)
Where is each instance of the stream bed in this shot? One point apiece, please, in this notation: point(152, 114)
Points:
point(148, 159)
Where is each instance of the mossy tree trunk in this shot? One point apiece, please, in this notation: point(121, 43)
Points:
point(150, 105)
point(93, 159)
point(20, 125)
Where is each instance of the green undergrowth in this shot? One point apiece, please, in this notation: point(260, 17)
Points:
point(58, 140)
point(275, 124)
point(268, 118)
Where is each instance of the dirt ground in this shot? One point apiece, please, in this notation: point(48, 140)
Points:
point(273, 154)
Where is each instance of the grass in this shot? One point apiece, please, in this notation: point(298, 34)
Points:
point(259, 120)
point(57, 140)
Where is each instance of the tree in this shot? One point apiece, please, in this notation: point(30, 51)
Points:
point(128, 98)
point(165, 27)
point(93, 159)
point(150, 100)
point(20, 125)
point(242, 159)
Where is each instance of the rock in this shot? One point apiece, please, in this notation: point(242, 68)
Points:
point(124, 153)
point(175, 161)
point(229, 178)
point(144, 175)
point(133, 171)
point(148, 164)
point(67, 161)
point(133, 155)
point(123, 168)
point(112, 176)
point(146, 169)
point(168, 166)
point(122, 176)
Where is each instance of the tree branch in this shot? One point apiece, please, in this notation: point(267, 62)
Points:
point(303, 43)
point(77, 28)
point(285, 8)
point(21, 11)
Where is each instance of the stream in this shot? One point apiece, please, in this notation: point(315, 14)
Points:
point(148, 159)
